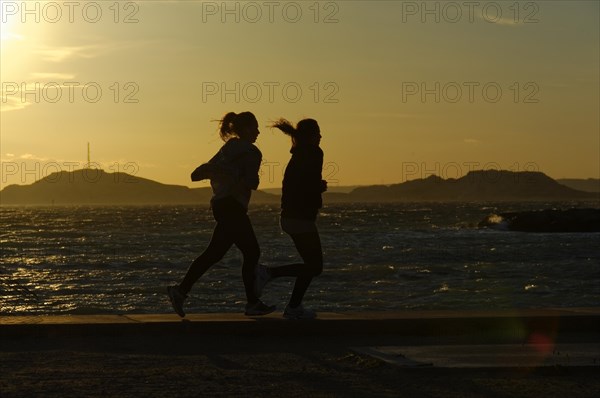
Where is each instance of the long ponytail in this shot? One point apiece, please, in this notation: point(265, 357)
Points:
point(233, 124)
point(226, 126)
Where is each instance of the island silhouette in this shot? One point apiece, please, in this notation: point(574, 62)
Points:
point(95, 186)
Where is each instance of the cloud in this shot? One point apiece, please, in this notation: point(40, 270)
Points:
point(52, 75)
point(62, 53)
point(16, 98)
point(392, 115)
point(505, 21)
point(6, 36)
point(12, 103)
point(58, 54)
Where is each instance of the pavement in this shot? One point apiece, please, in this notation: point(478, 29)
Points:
point(481, 356)
point(459, 339)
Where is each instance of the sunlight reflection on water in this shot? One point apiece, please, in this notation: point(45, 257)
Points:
point(377, 257)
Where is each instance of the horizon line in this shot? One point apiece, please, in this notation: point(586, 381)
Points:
point(4, 184)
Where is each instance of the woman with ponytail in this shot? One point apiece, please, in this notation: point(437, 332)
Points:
point(300, 204)
point(233, 173)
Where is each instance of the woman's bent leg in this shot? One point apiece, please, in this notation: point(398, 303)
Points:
point(245, 240)
point(309, 248)
point(219, 244)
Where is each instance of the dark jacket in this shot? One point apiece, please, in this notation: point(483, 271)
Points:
point(302, 184)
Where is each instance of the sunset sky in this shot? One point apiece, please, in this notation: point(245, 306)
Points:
point(401, 90)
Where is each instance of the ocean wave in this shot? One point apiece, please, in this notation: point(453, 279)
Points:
point(377, 257)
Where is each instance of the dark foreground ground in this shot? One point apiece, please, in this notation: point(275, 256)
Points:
point(246, 365)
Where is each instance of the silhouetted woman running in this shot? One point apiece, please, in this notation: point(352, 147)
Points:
point(300, 204)
point(233, 173)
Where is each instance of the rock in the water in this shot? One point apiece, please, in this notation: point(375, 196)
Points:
point(552, 220)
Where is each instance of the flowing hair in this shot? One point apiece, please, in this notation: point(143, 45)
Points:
point(299, 134)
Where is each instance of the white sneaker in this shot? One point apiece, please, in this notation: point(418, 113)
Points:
point(298, 313)
point(261, 279)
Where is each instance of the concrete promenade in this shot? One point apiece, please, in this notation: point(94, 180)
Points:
point(504, 325)
point(551, 353)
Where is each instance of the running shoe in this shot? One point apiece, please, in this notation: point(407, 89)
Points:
point(258, 308)
point(261, 279)
point(177, 299)
point(298, 313)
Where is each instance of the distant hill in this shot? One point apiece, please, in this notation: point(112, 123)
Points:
point(92, 186)
point(330, 189)
point(490, 185)
point(586, 185)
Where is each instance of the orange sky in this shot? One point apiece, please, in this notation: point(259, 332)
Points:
point(401, 89)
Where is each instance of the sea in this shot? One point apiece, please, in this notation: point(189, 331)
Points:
point(377, 257)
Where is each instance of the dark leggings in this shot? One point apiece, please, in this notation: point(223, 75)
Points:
point(233, 228)
point(309, 247)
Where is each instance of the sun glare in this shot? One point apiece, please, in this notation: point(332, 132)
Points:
point(7, 27)
point(4, 30)
point(17, 46)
